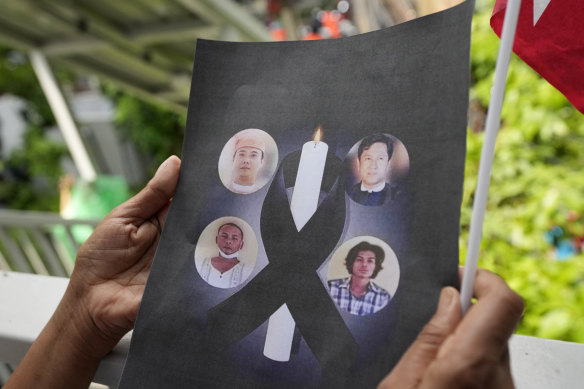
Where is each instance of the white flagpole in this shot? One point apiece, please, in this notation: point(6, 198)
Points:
point(488, 151)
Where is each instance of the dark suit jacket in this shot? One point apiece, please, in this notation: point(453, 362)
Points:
point(370, 199)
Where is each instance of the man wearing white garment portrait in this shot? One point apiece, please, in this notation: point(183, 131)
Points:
point(248, 160)
point(225, 270)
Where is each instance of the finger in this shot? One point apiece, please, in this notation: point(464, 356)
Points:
point(409, 371)
point(457, 371)
point(476, 354)
point(506, 378)
point(490, 322)
point(155, 196)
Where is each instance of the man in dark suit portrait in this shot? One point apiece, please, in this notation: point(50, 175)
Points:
point(373, 157)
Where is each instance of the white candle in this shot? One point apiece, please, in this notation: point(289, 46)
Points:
point(308, 180)
point(279, 335)
point(303, 205)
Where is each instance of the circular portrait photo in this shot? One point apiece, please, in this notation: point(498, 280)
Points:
point(363, 275)
point(248, 161)
point(376, 167)
point(226, 252)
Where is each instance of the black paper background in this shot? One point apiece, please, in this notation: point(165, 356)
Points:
point(410, 81)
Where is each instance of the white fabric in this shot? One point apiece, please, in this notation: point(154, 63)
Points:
point(377, 188)
point(229, 279)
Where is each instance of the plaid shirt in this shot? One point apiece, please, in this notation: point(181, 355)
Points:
point(372, 301)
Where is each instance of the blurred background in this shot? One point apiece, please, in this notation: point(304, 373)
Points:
point(93, 97)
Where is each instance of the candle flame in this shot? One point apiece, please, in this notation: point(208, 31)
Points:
point(317, 135)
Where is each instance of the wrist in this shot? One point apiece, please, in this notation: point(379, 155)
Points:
point(73, 322)
point(87, 338)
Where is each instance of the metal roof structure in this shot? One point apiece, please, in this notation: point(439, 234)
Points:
point(144, 46)
point(147, 46)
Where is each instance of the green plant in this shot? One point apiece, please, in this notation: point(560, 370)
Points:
point(536, 185)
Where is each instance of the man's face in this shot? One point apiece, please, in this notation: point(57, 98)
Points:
point(373, 164)
point(229, 239)
point(246, 163)
point(364, 264)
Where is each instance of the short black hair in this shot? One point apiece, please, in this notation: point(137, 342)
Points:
point(230, 224)
point(365, 246)
point(374, 138)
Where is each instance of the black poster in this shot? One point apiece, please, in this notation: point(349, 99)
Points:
point(317, 212)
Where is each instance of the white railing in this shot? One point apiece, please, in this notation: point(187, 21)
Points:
point(27, 302)
point(35, 242)
point(40, 242)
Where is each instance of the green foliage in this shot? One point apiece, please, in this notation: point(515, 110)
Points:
point(17, 78)
point(29, 176)
point(156, 131)
point(537, 183)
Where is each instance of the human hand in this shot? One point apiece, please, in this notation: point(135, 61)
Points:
point(458, 352)
point(112, 266)
point(101, 302)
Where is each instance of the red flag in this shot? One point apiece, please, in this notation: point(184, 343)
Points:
point(550, 39)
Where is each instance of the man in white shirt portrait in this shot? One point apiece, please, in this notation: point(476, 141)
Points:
point(225, 270)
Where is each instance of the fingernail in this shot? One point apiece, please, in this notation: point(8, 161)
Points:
point(162, 165)
point(447, 300)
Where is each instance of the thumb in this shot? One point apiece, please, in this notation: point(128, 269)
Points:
point(441, 325)
point(410, 369)
point(155, 195)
